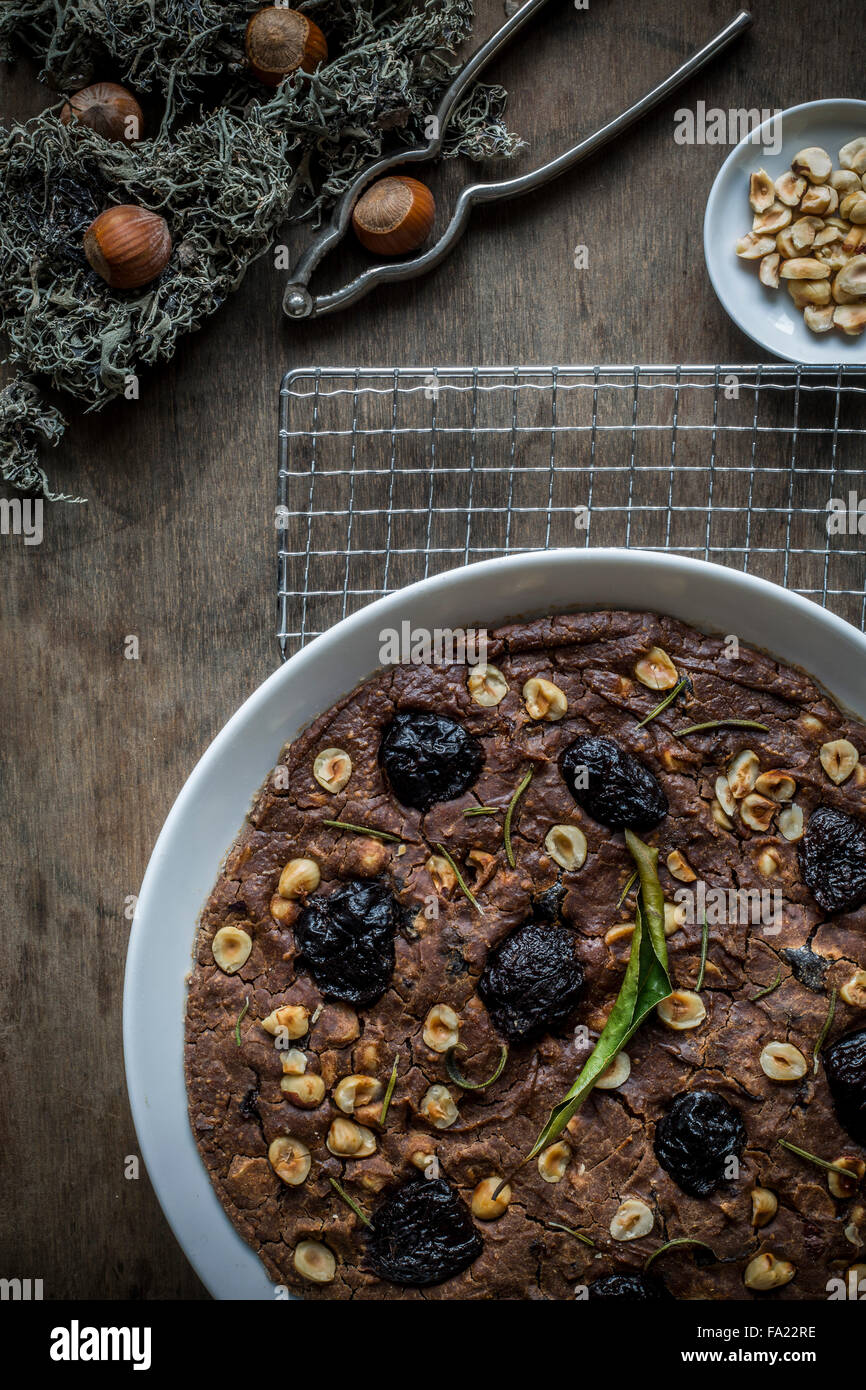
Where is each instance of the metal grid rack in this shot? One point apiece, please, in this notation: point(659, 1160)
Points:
point(387, 475)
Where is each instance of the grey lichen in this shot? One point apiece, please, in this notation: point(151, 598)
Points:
point(226, 176)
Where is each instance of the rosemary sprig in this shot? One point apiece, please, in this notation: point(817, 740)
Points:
point(768, 989)
point(819, 1162)
point(721, 724)
point(822, 1036)
point(558, 1226)
point(239, 1020)
point(362, 830)
point(392, 1082)
point(509, 816)
point(669, 699)
point(705, 941)
point(350, 1202)
point(460, 1080)
point(483, 811)
point(673, 1244)
point(628, 887)
point(461, 882)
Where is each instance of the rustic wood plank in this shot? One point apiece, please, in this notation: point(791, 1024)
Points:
point(175, 546)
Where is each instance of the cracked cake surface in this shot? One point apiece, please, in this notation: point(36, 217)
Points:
point(272, 1030)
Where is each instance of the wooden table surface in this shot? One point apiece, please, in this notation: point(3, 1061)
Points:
point(176, 543)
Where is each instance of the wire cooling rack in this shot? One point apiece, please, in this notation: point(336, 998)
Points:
point(388, 475)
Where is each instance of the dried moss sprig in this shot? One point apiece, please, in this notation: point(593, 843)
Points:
point(227, 180)
point(26, 423)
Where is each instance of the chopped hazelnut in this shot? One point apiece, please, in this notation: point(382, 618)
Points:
point(486, 684)
point(332, 769)
point(441, 872)
point(782, 1061)
point(314, 1261)
point(231, 947)
point(544, 700)
point(846, 1187)
point(299, 877)
point(283, 911)
point(357, 1090)
point(765, 1204)
point(632, 1220)
point(615, 1074)
point(776, 785)
point(441, 1028)
point(743, 773)
point(656, 671)
point(791, 822)
point(682, 1010)
point(294, 1063)
point(438, 1107)
point(767, 1271)
point(306, 1091)
point(484, 1206)
point(679, 867)
point(349, 1140)
point(290, 1159)
point(566, 845)
point(839, 759)
point(553, 1161)
point(854, 990)
point(757, 811)
point(291, 1020)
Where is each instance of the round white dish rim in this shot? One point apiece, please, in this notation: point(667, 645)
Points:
point(767, 316)
point(211, 806)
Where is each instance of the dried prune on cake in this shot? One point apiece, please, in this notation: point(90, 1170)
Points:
point(845, 1066)
point(696, 1137)
point(422, 1234)
point(346, 940)
point(429, 757)
point(532, 980)
point(634, 1286)
point(833, 859)
point(612, 785)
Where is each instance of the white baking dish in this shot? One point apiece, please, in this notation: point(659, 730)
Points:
point(210, 809)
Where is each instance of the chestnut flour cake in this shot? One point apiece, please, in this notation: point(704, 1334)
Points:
point(380, 1024)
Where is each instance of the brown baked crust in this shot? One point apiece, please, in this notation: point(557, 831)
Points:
point(592, 658)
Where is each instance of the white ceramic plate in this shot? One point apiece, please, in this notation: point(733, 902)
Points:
point(211, 807)
point(769, 316)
